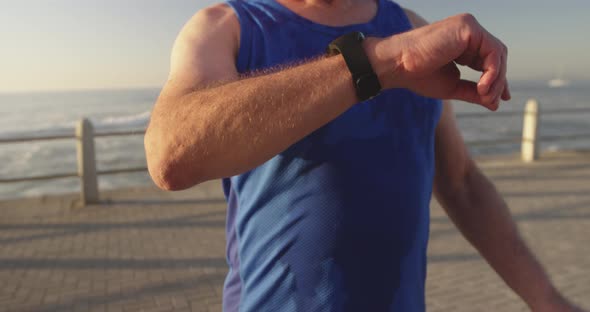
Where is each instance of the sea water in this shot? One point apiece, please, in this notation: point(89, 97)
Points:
point(58, 113)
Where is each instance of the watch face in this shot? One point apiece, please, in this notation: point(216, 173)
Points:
point(368, 86)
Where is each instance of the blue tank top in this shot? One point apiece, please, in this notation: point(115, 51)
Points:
point(340, 220)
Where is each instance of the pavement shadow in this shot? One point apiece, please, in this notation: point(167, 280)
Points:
point(439, 233)
point(75, 228)
point(551, 172)
point(525, 177)
point(548, 193)
point(159, 202)
point(518, 166)
point(90, 302)
point(565, 212)
point(457, 257)
point(561, 212)
point(107, 263)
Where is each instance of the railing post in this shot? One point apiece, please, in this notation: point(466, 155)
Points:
point(87, 162)
point(530, 130)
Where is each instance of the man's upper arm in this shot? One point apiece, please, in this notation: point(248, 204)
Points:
point(452, 158)
point(205, 51)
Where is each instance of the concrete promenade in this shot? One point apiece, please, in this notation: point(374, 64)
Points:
point(144, 250)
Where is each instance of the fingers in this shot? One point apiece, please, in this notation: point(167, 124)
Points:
point(467, 91)
point(487, 54)
point(506, 95)
point(493, 85)
point(494, 94)
point(471, 59)
point(491, 69)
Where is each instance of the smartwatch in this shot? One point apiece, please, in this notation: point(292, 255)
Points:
point(363, 76)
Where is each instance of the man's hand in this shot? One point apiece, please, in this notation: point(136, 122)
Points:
point(424, 61)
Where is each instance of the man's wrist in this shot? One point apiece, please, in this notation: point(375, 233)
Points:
point(386, 60)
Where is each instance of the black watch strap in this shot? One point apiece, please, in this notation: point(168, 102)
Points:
point(364, 77)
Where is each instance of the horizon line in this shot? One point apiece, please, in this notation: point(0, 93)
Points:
point(99, 89)
point(73, 90)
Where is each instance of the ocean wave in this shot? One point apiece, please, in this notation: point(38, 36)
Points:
point(553, 148)
point(131, 121)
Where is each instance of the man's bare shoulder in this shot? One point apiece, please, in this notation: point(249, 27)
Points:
point(415, 18)
point(205, 50)
point(218, 11)
point(213, 28)
point(215, 18)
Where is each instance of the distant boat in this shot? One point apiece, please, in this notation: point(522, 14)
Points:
point(558, 83)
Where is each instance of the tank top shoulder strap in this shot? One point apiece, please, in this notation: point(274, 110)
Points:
point(246, 20)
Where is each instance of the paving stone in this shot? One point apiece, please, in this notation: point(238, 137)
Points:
point(146, 250)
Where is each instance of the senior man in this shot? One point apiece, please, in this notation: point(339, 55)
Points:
point(323, 118)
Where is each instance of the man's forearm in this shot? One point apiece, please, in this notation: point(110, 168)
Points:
point(484, 219)
point(229, 129)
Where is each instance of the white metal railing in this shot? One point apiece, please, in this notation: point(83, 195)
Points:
point(88, 173)
point(86, 159)
point(530, 139)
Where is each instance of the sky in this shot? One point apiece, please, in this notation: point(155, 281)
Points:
point(82, 44)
